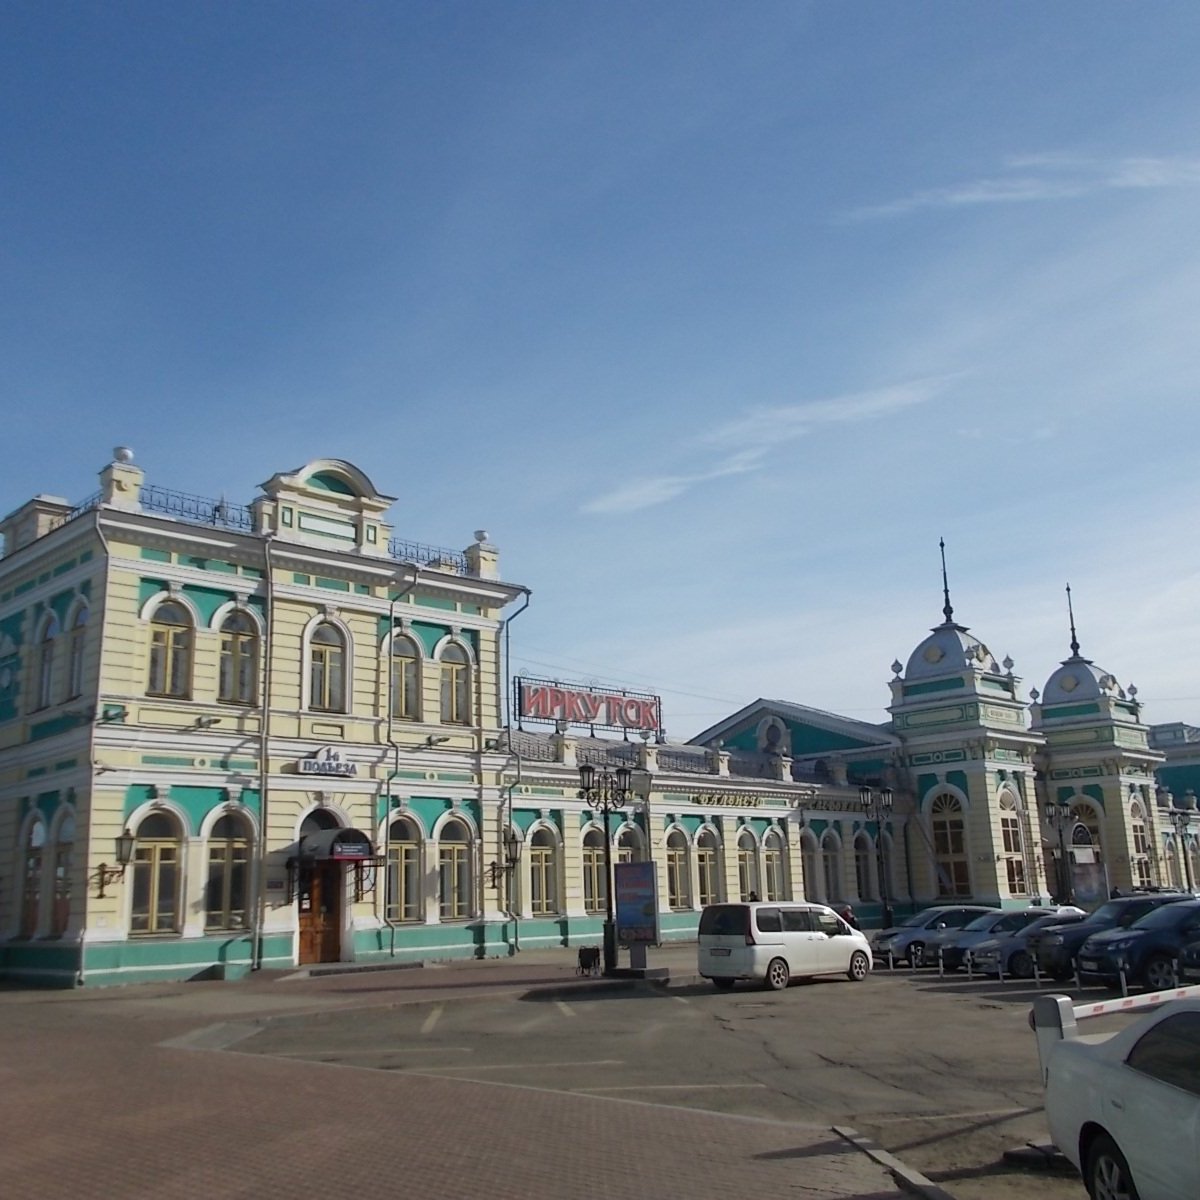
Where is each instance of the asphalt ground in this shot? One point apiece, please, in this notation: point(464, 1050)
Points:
point(556, 1085)
point(943, 1073)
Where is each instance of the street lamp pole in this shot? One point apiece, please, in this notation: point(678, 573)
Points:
point(606, 792)
point(1057, 815)
point(1180, 818)
point(878, 808)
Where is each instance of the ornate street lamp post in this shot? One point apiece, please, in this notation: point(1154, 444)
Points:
point(1181, 819)
point(878, 807)
point(1058, 815)
point(607, 792)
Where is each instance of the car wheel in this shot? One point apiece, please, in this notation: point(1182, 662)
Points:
point(777, 975)
point(1159, 973)
point(723, 984)
point(859, 967)
point(1020, 966)
point(916, 954)
point(1106, 1173)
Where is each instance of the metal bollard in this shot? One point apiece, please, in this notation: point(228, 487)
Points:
point(941, 966)
point(1124, 984)
point(891, 960)
point(1037, 974)
point(970, 965)
point(1175, 972)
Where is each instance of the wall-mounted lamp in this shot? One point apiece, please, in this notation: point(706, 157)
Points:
point(432, 741)
point(106, 874)
point(207, 722)
point(512, 855)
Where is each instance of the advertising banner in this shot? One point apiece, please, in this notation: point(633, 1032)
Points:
point(636, 894)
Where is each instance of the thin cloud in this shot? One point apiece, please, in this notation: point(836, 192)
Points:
point(752, 436)
point(767, 426)
point(646, 493)
point(1040, 177)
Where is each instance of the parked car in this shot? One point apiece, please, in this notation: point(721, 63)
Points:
point(1189, 962)
point(1125, 1109)
point(1056, 947)
point(1009, 953)
point(908, 940)
point(772, 943)
point(1147, 950)
point(955, 944)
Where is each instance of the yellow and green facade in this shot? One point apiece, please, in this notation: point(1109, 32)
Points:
point(271, 736)
point(253, 737)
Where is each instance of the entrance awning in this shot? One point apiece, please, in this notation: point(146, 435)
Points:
point(338, 845)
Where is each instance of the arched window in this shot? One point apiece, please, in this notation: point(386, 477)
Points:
point(863, 880)
point(404, 871)
point(708, 864)
point(950, 847)
point(454, 871)
point(406, 680)
point(679, 889)
point(1140, 859)
point(31, 889)
point(227, 892)
point(156, 875)
point(595, 886)
point(327, 669)
point(629, 846)
point(170, 651)
point(813, 883)
point(75, 649)
point(456, 686)
point(238, 683)
point(64, 852)
point(45, 669)
point(774, 863)
point(831, 867)
point(747, 852)
point(543, 873)
point(1014, 846)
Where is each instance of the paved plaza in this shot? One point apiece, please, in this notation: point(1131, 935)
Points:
point(515, 1078)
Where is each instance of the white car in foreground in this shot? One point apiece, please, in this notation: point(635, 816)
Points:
point(1125, 1107)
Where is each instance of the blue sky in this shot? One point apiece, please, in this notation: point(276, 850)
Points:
point(716, 316)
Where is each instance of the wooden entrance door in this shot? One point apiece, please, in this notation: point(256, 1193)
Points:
point(321, 887)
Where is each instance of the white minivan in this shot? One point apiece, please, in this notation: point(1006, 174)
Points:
point(774, 942)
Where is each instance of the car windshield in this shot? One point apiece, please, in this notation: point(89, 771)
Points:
point(984, 922)
point(1106, 912)
point(918, 919)
point(1166, 917)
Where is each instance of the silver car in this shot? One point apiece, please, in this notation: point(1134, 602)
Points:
point(907, 941)
point(955, 944)
point(1009, 954)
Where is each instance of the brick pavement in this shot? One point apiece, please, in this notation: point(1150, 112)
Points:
point(92, 1104)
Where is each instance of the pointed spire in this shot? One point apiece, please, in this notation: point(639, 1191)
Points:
point(1071, 612)
point(947, 608)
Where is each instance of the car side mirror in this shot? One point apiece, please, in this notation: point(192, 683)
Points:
point(941, 925)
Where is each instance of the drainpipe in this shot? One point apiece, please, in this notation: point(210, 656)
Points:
point(508, 909)
point(264, 765)
point(508, 660)
point(387, 783)
point(91, 756)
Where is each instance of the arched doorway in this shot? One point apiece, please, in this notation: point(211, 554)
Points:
point(325, 847)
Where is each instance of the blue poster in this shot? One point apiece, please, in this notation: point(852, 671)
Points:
point(636, 892)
